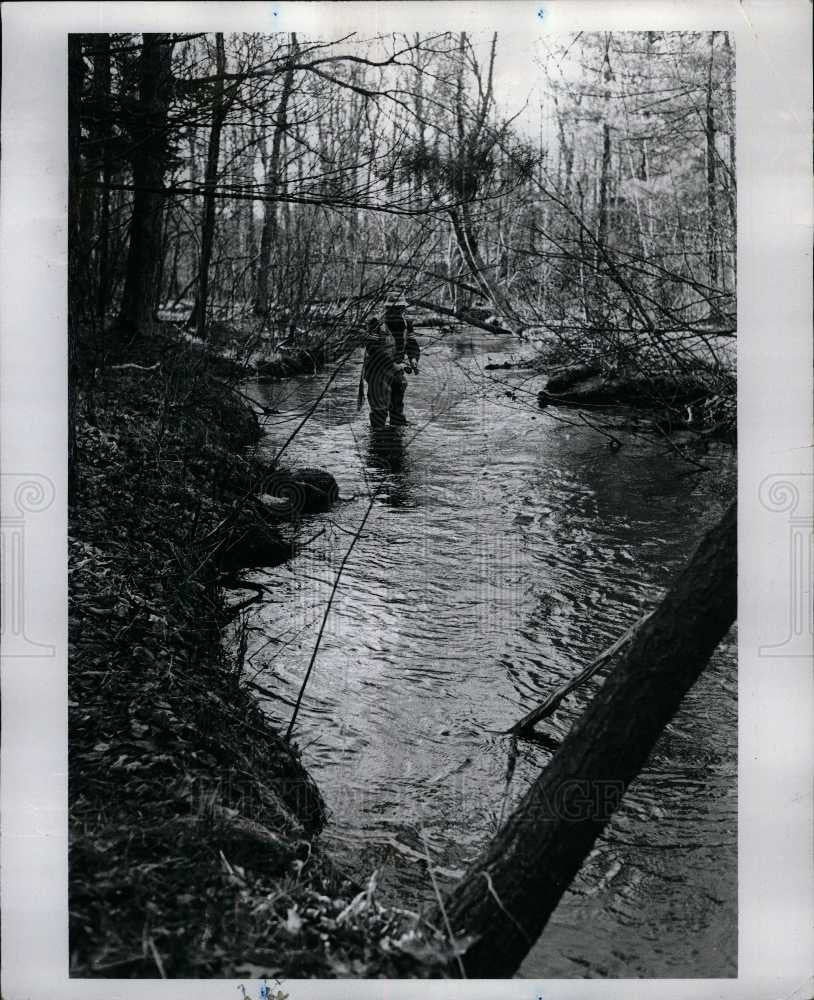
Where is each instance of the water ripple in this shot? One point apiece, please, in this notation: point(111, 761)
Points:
point(501, 557)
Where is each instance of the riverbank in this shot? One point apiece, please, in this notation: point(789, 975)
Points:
point(257, 355)
point(193, 824)
point(682, 385)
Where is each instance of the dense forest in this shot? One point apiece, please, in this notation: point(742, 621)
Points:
point(274, 181)
point(241, 205)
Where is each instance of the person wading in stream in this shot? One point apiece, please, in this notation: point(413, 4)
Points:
point(391, 350)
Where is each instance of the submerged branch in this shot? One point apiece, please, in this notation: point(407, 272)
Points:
point(553, 702)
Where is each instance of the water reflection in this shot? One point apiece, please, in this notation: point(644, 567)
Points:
point(502, 556)
point(388, 458)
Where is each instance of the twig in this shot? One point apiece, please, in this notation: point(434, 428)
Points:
point(338, 576)
point(601, 430)
point(235, 609)
point(357, 535)
point(156, 957)
point(131, 364)
point(313, 407)
point(497, 899)
point(268, 693)
point(313, 538)
point(551, 703)
point(441, 905)
point(511, 763)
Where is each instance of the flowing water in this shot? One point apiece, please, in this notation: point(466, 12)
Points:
point(506, 547)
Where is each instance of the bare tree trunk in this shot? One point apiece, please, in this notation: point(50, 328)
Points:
point(566, 149)
point(604, 175)
point(268, 236)
point(149, 141)
point(712, 258)
point(102, 65)
point(90, 175)
point(198, 317)
point(602, 229)
point(587, 310)
point(174, 285)
point(250, 245)
point(76, 72)
point(730, 187)
point(418, 103)
point(508, 894)
point(469, 132)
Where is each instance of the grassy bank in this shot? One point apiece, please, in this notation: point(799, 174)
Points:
point(193, 825)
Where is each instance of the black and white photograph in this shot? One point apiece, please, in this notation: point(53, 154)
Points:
point(401, 501)
point(403, 539)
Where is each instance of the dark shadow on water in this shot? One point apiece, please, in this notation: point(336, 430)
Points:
point(389, 460)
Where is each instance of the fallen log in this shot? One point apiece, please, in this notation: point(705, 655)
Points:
point(500, 907)
point(573, 388)
point(570, 376)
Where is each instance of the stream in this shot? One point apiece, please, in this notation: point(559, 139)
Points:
point(506, 548)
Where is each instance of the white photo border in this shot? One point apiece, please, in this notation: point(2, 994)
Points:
point(776, 692)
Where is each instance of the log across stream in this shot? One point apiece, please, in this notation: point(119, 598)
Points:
point(506, 548)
